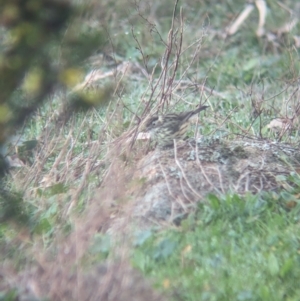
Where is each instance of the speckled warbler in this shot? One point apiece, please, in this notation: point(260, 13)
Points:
point(164, 129)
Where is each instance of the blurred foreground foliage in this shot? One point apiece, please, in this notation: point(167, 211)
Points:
point(43, 46)
point(42, 50)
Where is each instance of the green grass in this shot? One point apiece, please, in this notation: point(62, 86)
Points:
point(232, 249)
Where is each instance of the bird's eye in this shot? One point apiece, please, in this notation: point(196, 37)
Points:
point(154, 122)
point(157, 121)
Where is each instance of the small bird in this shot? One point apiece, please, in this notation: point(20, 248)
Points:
point(164, 129)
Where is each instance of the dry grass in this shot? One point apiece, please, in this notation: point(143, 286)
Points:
point(85, 162)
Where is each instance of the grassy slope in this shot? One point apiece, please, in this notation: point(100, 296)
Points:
point(235, 249)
